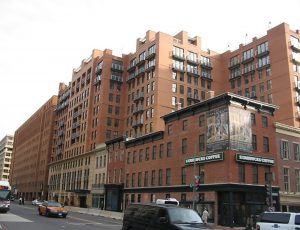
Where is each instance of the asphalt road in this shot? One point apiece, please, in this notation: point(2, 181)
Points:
point(26, 217)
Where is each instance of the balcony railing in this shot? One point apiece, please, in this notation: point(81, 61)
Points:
point(206, 64)
point(248, 69)
point(179, 68)
point(235, 74)
point(206, 75)
point(139, 96)
point(150, 55)
point(138, 109)
point(234, 64)
point(193, 71)
point(179, 56)
point(247, 59)
point(77, 114)
point(296, 58)
point(295, 46)
point(97, 79)
point(116, 78)
point(262, 65)
point(150, 66)
point(137, 123)
point(262, 53)
point(192, 60)
point(98, 69)
point(117, 67)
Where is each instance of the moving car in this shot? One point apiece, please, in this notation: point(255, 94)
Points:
point(161, 217)
point(36, 202)
point(52, 208)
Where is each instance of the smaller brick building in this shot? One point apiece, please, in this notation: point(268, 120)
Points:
point(228, 141)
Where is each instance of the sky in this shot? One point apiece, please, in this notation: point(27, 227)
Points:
point(42, 41)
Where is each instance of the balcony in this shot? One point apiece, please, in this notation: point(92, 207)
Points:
point(248, 69)
point(178, 56)
point(137, 123)
point(116, 78)
point(193, 71)
point(234, 74)
point(179, 68)
point(193, 97)
point(206, 75)
point(150, 67)
point(234, 64)
point(74, 136)
point(150, 55)
point(260, 66)
point(131, 76)
point(131, 68)
point(61, 124)
point(297, 100)
point(192, 60)
point(139, 96)
point(116, 67)
point(140, 72)
point(98, 69)
point(246, 60)
point(297, 85)
point(138, 109)
point(77, 114)
point(261, 53)
point(206, 64)
point(97, 80)
point(75, 125)
point(295, 46)
point(295, 58)
point(140, 62)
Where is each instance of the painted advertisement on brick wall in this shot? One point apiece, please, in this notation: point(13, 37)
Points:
point(217, 130)
point(240, 129)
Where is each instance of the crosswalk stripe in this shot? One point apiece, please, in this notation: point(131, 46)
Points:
point(9, 217)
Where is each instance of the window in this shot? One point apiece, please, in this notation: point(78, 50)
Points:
point(174, 75)
point(286, 179)
point(160, 177)
point(264, 121)
point(133, 180)
point(255, 174)
point(168, 176)
point(184, 125)
point(284, 149)
point(254, 142)
point(183, 175)
point(134, 157)
point(247, 54)
point(153, 177)
point(128, 158)
point(127, 180)
point(110, 108)
point(154, 152)
point(146, 179)
point(110, 97)
point(139, 179)
point(297, 178)
point(253, 119)
point(147, 154)
point(270, 98)
point(178, 52)
point(201, 120)
point(181, 89)
point(141, 155)
point(296, 148)
point(169, 149)
point(266, 144)
point(174, 87)
point(170, 129)
point(184, 146)
point(174, 100)
point(269, 84)
point(261, 48)
point(241, 173)
point(161, 150)
point(201, 142)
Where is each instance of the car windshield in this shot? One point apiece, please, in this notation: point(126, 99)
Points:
point(54, 204)
point(183, 215)
point(4, 195)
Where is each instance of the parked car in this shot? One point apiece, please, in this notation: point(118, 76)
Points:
point(278, 220)
point(52, 208)
point(36, 202)
point(161, 217)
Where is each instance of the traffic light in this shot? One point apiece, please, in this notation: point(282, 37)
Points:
point(268, 189)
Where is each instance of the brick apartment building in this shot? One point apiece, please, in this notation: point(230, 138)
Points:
point(33, 142)
point(129, 101)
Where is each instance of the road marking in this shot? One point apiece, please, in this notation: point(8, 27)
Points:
point(91, 222)
point(9, 217)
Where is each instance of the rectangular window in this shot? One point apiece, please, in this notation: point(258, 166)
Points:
point(297, 178)
point(255, 174)
point(201, 142)
point(241, 173)
point(161, 151)
point(284, 149)
point(254, 142)
point(168, 176)
point(201, 120)
point(183, 175)
point(296, 148)
point(174, 100)
point(153, 177)
point(253, 119)
point(146, 179)
point(134, 157)
point(286, 179)
point(147, 154)
point(160, 177)
point(154, 152)
point(169, 149)
point(128, 158)
point(181, 89)
point(170, 129)
point(184, 125)
point(139, 179)
point(133, 180)
point(184, 146)
point(127, 180)
point(174, 87)
point(266, 144)
point(264, 121)
point(141, 155)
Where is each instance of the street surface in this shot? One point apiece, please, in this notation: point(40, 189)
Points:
point(26, 217)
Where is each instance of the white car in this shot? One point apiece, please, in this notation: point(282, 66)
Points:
point(37, 202)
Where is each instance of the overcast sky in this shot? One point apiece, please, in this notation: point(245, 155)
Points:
point(41, 41)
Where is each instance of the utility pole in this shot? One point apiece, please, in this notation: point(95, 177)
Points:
point(194, 174)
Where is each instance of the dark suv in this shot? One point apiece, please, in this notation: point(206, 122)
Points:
point(160, 217)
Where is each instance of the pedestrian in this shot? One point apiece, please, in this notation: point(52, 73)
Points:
point(205, 216)
point(20, 200)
